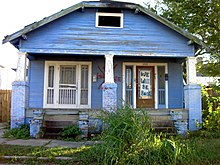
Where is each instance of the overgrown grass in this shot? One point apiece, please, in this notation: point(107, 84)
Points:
point(200, 151)
point(127, 139)
point(36, 152)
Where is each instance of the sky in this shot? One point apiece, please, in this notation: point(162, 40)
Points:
point(15, 14)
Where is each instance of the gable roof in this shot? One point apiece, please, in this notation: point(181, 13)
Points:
point(102, 4)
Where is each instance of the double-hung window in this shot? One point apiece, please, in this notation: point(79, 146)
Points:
point(67, 85)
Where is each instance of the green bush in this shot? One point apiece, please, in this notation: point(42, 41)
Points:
point(22, 132)
point(127, 139)
point(70, 132)
point(211, 109)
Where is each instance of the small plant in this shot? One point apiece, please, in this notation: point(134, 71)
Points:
point(70, 132)
point(22, 132)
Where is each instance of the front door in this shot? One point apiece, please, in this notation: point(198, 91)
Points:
point(145, 87)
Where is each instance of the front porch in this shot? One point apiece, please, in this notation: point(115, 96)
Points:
point(68, 91)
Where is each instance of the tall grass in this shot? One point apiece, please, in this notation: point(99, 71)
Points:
point(127, 139)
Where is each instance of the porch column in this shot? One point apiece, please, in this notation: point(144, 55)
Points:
point(191, 70)
point(19, 88)
point(109, 88)
point(192, 95)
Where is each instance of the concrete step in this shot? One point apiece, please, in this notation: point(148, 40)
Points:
point(57, 124)
point(165, 129)
point(165, 123)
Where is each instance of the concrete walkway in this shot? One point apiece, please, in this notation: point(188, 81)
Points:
point(41, 142)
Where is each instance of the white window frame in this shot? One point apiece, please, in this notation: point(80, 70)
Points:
point(121, 15)
point(57, 65)
point(155, 65)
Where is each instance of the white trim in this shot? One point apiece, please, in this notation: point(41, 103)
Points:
point(156, 105)
point(123, 86)
point(135, 64)
point(191, 70)
point(56, 65)
point(121, 15)
point(134, 86)
point(21, 67)
point(78, 85)
point(166, 87)
point(109, 68)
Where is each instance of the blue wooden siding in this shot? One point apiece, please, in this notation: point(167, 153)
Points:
point(76, 33)
point(98, 70)
point(175, 85)
point(36, 81)
point(36, 84)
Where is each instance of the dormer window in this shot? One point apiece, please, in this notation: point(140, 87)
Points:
point(109, 20)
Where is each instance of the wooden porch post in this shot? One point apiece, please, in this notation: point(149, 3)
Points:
point(109, 71)
point(191, 70)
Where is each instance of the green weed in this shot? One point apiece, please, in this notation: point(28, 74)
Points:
point(127, 139)
point(70, 133)
point(211, 108)
point(22, 132)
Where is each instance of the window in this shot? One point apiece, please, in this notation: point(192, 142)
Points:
point(67, 85)
point(161, 85)
point(129, 85)
point(109, 20)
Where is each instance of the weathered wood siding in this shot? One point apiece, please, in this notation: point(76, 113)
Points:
point(36, 84)
point(76, 33)
point(175, 85)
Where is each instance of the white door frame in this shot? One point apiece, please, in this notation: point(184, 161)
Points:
point(135, 64)
point(57, 64)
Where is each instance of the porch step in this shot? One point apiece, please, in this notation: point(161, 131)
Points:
point(54, 123)
point(165, 129)
point(165, 123)
point(162, 122)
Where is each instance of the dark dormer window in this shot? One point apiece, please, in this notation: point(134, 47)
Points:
point(109, 20)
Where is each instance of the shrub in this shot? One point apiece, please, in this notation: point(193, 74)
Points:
point(22, 132)
point(128, 139)
point(211, 109)
point(70, 132)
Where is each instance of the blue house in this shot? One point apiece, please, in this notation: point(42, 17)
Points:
point(103, 55)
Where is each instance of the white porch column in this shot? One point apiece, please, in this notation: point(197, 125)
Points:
point(19, 88)
point(191, 70)
point(109, 88)
point(109, 69)
point(192, 95)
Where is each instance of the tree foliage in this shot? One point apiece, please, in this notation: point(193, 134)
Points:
point(201, 18)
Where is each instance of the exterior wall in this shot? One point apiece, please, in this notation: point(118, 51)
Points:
point(36, 84)
point(76, 33)
point(175, 85)
point(36, 80)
